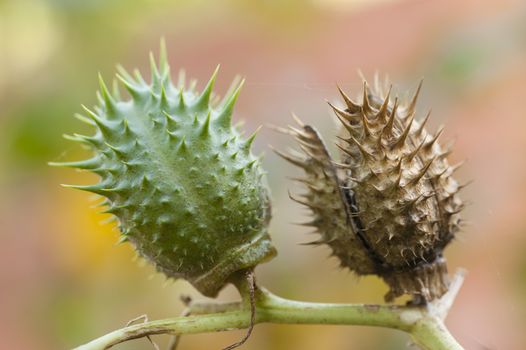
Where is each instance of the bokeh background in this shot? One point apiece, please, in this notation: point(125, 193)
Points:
point(64, 281)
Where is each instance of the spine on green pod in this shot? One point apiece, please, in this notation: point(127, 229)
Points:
point(182, 182)
point(390, 205)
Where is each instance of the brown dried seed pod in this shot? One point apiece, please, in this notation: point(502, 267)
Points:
point(390, 206)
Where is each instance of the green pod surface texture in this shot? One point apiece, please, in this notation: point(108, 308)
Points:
point(182, 182)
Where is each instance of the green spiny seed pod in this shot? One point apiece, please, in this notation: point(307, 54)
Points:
point(390, 206)
point(182, 182)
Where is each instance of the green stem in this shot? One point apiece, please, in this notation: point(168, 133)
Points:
point(427, 331)
point(425, 323)
point(432, 334)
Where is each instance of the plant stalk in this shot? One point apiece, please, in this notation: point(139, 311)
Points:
point(427, 330)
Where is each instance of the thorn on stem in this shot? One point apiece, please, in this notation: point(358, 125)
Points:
point(144, 319)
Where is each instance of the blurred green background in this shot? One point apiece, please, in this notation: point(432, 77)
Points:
point(63, 281)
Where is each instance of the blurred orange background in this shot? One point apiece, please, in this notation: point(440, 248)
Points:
point(63, 281)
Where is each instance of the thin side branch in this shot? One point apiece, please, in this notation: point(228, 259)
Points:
point(442, 306)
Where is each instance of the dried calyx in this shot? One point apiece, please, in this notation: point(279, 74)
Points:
point(389, 206)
